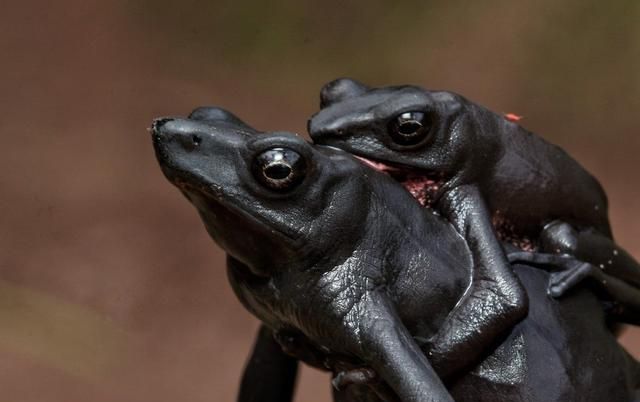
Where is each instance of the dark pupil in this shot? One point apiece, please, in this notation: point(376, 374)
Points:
point(279, 168)
point(409, 127)
point(277, 171)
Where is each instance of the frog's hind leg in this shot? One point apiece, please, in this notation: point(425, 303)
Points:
point(599, 258)
point(270, 375)
point(567, 272)
point(581, 254)
point(591, 246)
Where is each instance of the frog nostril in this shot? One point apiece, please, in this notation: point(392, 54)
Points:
point(196, 139)
point(189, 142)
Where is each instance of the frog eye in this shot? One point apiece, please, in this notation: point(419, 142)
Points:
point(409, 128)
point(279, 169)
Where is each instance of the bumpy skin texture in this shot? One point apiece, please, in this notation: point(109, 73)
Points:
point(492, 169)
point(347, 271)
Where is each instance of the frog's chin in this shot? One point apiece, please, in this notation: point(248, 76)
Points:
point(207, 198)
point(426, 187)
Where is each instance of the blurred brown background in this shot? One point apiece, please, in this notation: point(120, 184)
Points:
point(110, 290)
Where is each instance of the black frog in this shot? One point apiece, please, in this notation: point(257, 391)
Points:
point(306, 272)
point(493, 180)
point(346, 271)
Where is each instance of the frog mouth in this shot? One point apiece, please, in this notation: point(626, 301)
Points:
point(426, 187)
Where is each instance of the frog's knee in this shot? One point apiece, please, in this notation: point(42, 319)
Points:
point(559, 237)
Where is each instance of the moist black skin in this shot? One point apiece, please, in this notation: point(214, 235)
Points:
point(493, 169)
point(316, 274)
point(345, 270)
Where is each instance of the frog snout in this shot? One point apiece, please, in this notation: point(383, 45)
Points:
point(158, 131)
point(179, 131)
point(158, 123)
point(319, 130)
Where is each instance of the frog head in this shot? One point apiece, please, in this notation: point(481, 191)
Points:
point(407, 130)
point(271, 200)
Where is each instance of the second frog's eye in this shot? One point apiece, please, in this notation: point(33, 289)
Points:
point(279, 169)
point(409, 128)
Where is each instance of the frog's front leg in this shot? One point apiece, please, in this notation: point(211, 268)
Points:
point(494, 301)
point(380, 339)
point(270, 374)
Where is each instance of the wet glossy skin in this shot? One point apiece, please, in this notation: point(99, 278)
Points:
point(343, 272)
point(303, 261)
point(528, 180)
point(492, 175)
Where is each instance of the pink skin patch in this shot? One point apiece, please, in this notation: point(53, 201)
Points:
point(380, 167)
point(506, 232)
point(512, 117)
point(422, 189)
point(425, 190)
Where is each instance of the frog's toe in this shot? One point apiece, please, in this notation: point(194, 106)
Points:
point(561, 282)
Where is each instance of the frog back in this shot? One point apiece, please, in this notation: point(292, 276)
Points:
point(535, 182)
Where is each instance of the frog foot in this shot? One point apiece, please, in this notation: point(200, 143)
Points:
point(567, 271)
point(563, 281)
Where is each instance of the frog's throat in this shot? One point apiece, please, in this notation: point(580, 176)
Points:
point(425, 187)
point(215, 195)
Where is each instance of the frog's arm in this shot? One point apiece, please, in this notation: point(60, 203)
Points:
point(385, 345)
point(495, 300)
point(270, 374)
